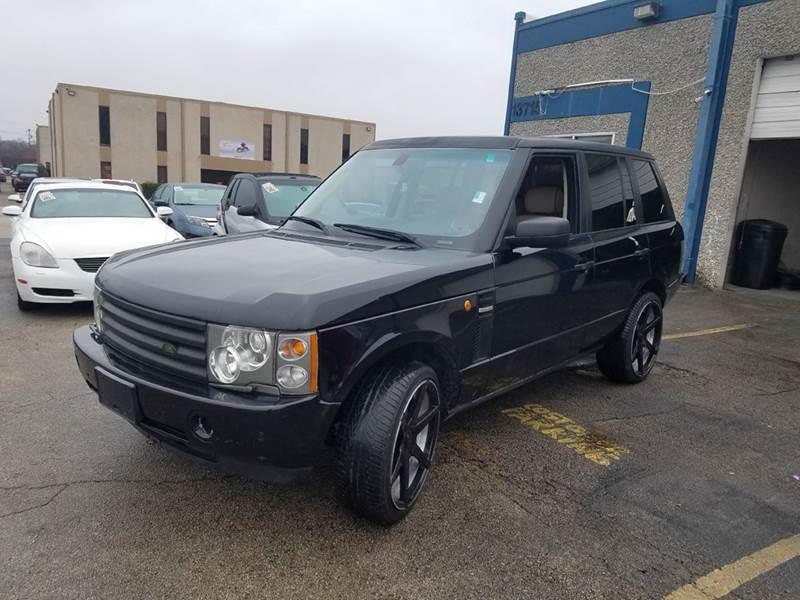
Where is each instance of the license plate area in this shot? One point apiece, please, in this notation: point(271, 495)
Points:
point(118, 395)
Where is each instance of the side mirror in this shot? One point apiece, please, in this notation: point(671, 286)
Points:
point(249, 210)
point(14, 198)
point(12, 211)
point(164, 211)
point(540, 232)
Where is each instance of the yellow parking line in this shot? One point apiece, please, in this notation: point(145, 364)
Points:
point(723, 329)
point(564, 430)
point(723, 581)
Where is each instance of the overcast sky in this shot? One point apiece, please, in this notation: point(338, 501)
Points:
point(414, 67)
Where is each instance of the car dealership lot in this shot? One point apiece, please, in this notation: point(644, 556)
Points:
point(597, 491)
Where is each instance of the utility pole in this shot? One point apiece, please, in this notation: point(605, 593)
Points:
point(30, 137)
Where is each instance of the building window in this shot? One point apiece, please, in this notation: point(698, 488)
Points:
point(104, 117)
point(105, 169)
point(161, 131)
point(602, 138)
point(205, 136)
point(345, 146)
point(162, 174)
point(267, 155)
point(304, 146)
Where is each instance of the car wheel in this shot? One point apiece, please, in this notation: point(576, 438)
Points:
point(24, 305)
point(386, 441)
point(630, 355)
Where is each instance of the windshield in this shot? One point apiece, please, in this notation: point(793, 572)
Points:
point(27, 169)
point(54, 204)
point(204, 196)
point(282, 197)
point(440, 196)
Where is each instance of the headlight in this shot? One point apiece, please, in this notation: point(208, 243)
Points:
point(245, 355)
point(98, 310)
point(34, 255)
point(200, 222)
point(239, 354)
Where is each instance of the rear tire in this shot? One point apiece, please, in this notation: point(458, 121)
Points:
point(386, 441)
point(629, 356)
point(24, 305)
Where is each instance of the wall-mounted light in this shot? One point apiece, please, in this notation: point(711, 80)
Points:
point(645, 12)
point(71, 92)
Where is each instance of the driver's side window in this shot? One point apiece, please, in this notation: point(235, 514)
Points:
point(549, 189)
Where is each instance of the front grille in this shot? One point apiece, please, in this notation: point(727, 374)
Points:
point(91, 265)
point(159, 342)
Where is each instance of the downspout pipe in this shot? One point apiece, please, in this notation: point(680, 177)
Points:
point(519, 19)
point(719, 60)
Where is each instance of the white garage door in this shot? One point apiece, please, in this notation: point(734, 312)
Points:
point(777, 113)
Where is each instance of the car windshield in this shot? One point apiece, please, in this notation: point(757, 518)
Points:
point(27, 169)
point(198, 195)
point(64, 203)
point(438, 195)
point(283, 197)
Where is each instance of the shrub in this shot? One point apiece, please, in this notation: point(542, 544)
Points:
point(148, 187)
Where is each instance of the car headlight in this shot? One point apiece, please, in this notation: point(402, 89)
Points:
point(98, 310)
point(34, 255)
point(246, 355)
point(200, 222)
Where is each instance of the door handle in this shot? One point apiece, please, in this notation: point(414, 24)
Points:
point(642, 252)
point(584, 266)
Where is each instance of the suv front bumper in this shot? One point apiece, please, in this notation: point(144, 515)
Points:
point(263, 437)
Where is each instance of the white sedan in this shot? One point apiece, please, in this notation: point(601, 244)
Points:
point(66, 231)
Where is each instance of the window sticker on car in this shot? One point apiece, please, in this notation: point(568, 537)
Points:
point(479, 197)
point(46, 196)
point(490, 158)
point(178, 188)
point(270, 187)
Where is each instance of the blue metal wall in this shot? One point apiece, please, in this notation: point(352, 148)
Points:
point(613, 16)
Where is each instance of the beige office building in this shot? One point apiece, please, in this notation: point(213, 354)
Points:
point(97, 132)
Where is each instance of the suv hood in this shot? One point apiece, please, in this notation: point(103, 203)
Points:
point(293, 283)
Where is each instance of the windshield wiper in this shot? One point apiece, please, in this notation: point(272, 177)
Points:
point(308, 221)
point(380, 233)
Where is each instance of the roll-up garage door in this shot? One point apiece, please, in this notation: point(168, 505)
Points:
point(777, 113)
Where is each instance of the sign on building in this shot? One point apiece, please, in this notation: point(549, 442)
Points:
point(237, 149)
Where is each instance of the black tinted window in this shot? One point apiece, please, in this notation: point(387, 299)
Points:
point(655, 205)
point(605, 187)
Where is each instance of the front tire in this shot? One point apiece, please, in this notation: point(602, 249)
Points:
point(629, 356)
point(387, 439)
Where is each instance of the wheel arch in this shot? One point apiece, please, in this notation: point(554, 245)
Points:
point(428, 347)
point(653, 285)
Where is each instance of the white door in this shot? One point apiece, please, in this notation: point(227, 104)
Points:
point(777, 113)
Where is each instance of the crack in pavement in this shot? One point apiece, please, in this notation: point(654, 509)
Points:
point(64, 485)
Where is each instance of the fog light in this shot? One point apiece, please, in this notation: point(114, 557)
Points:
point(292, 376)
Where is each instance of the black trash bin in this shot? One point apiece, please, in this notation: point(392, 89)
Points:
point(759, 244)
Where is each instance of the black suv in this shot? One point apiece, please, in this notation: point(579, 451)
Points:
point(423, 277)
point(254, 201)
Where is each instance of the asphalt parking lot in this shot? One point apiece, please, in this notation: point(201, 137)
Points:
point(571, 487)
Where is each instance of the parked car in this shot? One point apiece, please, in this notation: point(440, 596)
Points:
point(194, 206)
point(27, 172)
point(262, 201)
point(126, 182)
point(423, 277)
point(62, 236)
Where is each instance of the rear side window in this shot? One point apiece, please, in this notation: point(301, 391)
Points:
point(605, 187)
point(627, 194)
point(655, 204)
